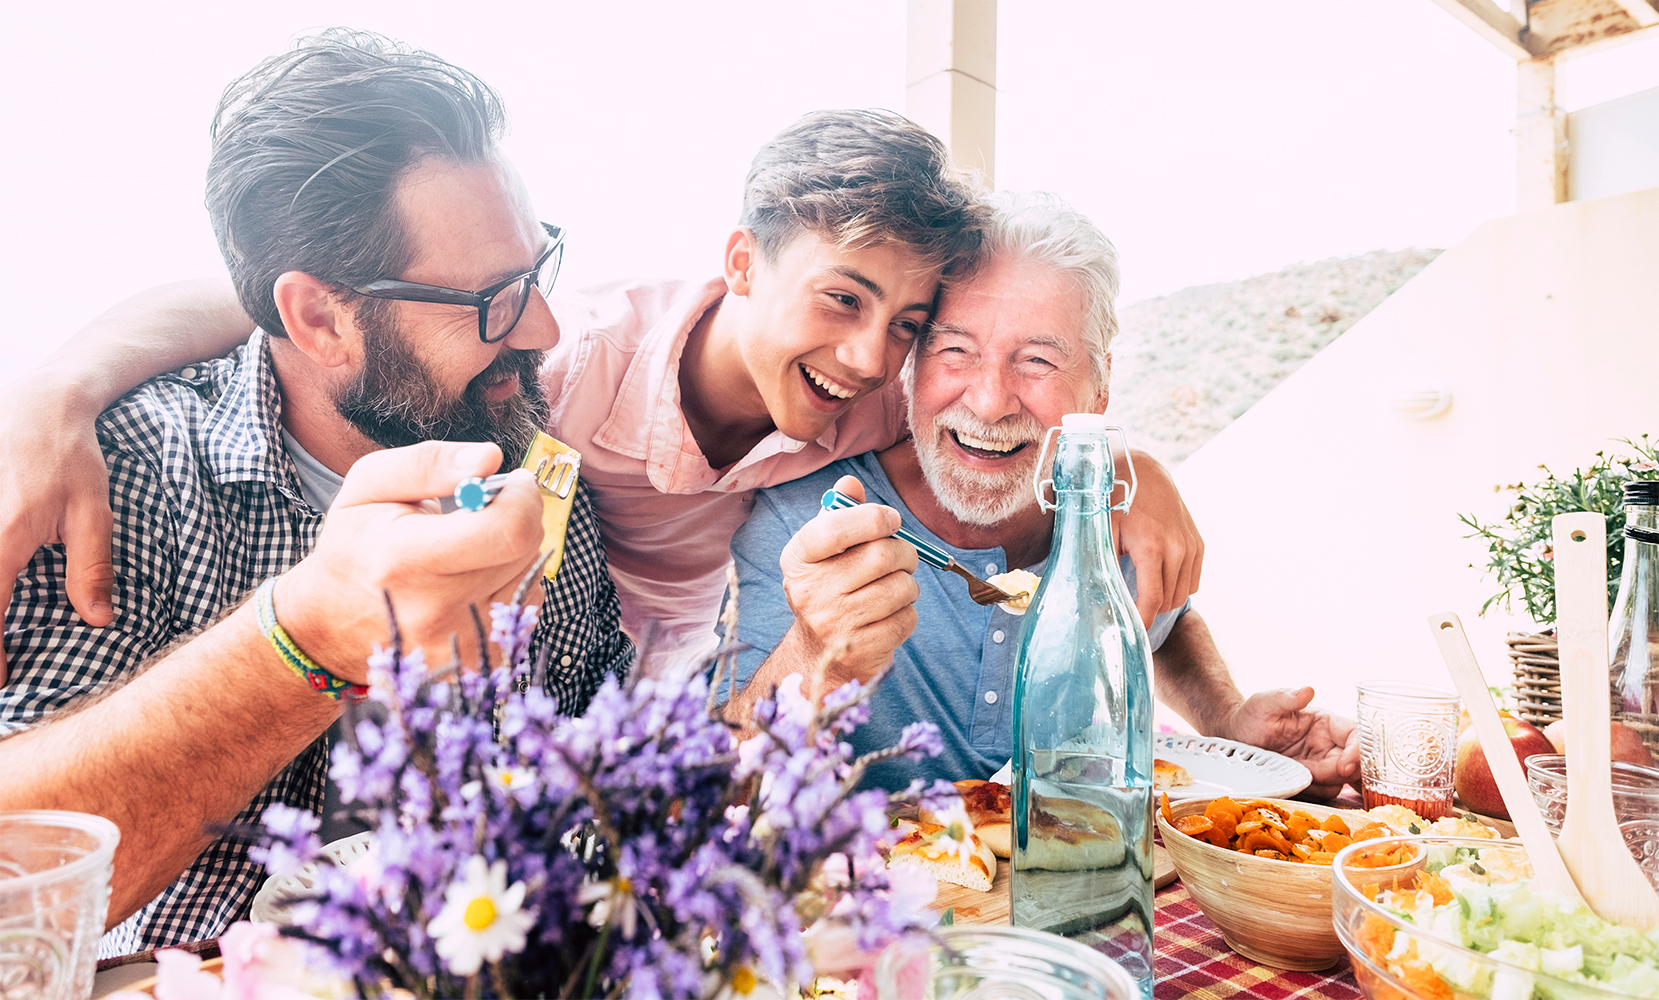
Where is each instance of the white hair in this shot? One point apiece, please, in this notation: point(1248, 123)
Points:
point(1043, 229)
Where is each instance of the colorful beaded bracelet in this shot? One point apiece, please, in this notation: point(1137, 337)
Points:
point(309, 670)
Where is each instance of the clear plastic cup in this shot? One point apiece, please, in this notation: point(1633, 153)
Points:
point(1408, 745)
point(54, 896)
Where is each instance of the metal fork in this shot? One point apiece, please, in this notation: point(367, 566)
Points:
point(981, 592)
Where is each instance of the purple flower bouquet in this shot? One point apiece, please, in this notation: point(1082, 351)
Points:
point(637, 850)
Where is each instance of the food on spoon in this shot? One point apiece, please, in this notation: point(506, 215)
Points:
point(1168, 774)
point(1482, 899)
point(989, 805)
point(1472, 774)
point(1021, 583)
point(929, 847)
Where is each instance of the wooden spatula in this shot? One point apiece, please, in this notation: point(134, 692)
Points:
point(1590, 842)
point(1549, 873)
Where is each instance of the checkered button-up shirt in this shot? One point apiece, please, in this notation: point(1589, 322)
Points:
point(207, 505)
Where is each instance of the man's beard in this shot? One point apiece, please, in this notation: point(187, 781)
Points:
point(394, 402)
point(970, 495)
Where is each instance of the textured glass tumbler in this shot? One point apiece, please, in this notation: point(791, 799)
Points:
point(54, 896)
point(1408, 744)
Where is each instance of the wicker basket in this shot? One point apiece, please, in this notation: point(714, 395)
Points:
point(1536, 661)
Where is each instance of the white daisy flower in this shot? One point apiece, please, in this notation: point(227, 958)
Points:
point(516, 782)
point(481, 918)
point(612, 899)
point(957, 835)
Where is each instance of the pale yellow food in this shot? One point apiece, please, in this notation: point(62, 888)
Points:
point(1021, 583)
point(923, 845)
point(1167, 774)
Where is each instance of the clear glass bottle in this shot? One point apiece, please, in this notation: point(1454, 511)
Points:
point(1633, 630)
point(1082, 852)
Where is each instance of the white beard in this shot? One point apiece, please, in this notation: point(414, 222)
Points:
point(971, 496)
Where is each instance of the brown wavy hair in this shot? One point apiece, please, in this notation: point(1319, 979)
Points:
point(860, 178)
point(308, 149)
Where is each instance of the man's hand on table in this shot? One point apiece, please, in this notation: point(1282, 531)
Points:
point(1280, 720)
point(852, 587)
point(382, 537)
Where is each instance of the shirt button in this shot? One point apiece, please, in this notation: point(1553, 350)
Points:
point(990, 569)
point(564, 661)
point(997, 636)
point(990, 697)
point(187, 373)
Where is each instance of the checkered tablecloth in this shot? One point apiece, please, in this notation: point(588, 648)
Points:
point(1193, 961)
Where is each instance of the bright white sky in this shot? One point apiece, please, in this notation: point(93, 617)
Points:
point(1226, 141)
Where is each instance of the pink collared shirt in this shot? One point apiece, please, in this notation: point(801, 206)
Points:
point(667, 518)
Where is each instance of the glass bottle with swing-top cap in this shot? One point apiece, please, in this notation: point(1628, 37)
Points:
point(1082, 811)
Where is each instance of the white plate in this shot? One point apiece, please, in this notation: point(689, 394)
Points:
point(270, 904)
point(1222, 767)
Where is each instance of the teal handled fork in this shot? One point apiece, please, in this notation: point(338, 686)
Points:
point(933, 555)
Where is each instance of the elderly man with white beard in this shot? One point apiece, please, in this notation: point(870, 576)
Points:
point(1022, 340)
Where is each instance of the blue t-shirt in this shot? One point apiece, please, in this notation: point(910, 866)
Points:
point(956, 671)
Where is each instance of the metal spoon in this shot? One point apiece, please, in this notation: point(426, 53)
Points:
point(981, 592)
point(1549, 872)
point(1591, 844)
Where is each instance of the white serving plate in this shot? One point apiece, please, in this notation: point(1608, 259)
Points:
point(270, 904)
point(1223, 767)
point(1219, 767)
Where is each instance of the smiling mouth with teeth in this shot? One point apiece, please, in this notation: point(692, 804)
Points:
point(825, 387)
point(987, 449)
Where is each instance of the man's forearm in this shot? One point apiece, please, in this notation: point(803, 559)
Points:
point(155, 331)
point(1190, 677)
point(187, 743)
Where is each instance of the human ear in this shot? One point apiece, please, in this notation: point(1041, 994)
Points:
point(1105, 388)
point(741, 256)
point(317, 322)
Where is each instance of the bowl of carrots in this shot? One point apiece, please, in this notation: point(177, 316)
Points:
point(1260, 869)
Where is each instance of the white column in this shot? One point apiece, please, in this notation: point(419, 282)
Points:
point(1540, 138)
point(951, 77)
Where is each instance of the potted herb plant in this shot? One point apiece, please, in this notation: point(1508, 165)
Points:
point(1519, 556)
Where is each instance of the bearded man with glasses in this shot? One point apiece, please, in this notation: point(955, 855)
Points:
point(397, 274)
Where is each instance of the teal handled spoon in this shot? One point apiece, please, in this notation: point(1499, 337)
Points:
point(981, 592)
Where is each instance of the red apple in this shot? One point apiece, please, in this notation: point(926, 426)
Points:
point(1627, 746)
point(1473, 776)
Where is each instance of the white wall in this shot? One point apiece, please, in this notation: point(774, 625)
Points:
point(1329, 519)
point(1614, 147)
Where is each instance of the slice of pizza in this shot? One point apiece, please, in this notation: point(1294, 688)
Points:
point(921, 847)
point(1167, 774)
point(990, 808)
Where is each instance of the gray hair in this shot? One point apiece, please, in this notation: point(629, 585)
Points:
point(1043, 229)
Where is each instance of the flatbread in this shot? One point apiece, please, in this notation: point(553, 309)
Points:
point(1067, 835)
point(989, 805)
point(1167, 774)
point(917, 848)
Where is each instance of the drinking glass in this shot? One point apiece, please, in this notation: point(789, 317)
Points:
point(998, 961)
point(1408, 744)
point(54, 896)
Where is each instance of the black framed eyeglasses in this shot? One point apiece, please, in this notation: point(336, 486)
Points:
point(497, 313)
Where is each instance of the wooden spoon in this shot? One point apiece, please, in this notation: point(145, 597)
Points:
point(1549, 872)
point(1591, 845)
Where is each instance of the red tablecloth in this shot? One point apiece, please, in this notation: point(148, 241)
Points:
point(1193, 961)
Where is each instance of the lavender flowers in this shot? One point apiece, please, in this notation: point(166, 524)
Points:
point(638, 849)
